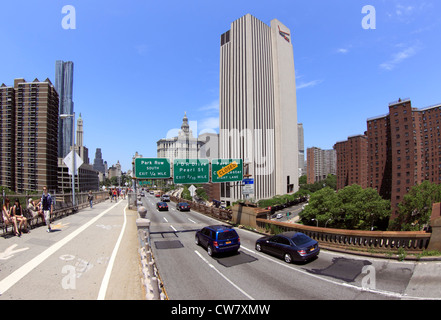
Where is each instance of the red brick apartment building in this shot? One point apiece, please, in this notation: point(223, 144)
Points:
point(320, 163)
point(352, 162)
point(403, 149)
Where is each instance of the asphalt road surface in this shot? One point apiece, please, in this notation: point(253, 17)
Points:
point(189, 273)
point(93, 254)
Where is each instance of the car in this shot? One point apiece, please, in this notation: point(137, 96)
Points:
point(165, 197)
point(290, 246)
point(162, 206)
point(157, 195)
point(279, 216)
point(218, 239)
point(183, 206)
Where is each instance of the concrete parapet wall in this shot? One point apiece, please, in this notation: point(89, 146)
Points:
point(382, 241)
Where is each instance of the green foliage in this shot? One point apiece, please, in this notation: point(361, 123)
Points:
point(330, 181)
point(352, 208)
point(278, 200)
point(186, 194)
point(416, 208)
point(202, 194)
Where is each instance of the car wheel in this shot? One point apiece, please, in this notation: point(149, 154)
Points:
point(258, 247)
point(196, 240)
point(210, 251)
point(288, 258)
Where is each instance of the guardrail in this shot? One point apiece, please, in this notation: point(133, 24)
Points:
point(222, 214)
point(62, 206)
point(379, 241)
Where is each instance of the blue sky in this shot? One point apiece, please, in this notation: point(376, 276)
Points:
point(139, 65)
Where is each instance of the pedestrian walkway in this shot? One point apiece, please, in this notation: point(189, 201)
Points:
point(37, 249)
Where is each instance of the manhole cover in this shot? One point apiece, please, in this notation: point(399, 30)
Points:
point(175, 244)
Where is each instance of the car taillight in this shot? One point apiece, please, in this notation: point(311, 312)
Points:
point(301, 251)
point(215, 244)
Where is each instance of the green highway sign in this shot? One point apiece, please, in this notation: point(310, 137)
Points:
point(152, 168)
point(226, 170)
point(188, 171)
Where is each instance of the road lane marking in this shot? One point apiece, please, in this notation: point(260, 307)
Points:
point(375, 291)
point(165, 219)
point(173, 228)
point(220, 273)
point(105, 282)
point(21, 272)
point(9, 252)
point(192, 221)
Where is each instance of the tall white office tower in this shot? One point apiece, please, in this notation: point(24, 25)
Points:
point(258, 106)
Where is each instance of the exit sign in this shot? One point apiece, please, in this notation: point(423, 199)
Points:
point(189, 171)
point(152, 168)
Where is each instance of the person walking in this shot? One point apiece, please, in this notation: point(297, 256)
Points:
point(90, 199)
point(47, 207)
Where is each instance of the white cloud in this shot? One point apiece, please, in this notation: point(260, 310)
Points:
point(399, 57)
point(404, 10)
point(209, 122)
point(211, 107)
point(208, 125)
point(309, 84)
point(141, 49)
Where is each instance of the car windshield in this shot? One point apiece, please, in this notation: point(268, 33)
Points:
point(227, 235)
point(300, 238)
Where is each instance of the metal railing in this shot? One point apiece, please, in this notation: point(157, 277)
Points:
point(62, 204)
point(380, 241)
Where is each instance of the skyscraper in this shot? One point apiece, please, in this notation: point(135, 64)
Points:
point(28, 121)
point(258, 106)
point(64, 87)
point(98, 163)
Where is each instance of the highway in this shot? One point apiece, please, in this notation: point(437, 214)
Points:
point(93, 255)
point(189, 273)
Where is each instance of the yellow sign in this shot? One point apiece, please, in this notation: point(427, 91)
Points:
point(233, 165)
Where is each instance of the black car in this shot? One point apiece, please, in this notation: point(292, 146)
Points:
point(162, 206)
point(290, 246)
point(183, 206)
point(217, 239)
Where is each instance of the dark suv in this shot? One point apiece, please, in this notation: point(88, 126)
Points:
point(218, 239)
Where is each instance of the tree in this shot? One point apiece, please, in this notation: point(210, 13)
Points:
point(351, 208)
point(415, 210)
point(186, 194)
point(323, 205)
point(361, 208)
point(303, 180)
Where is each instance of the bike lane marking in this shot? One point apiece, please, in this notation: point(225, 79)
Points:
point(106, 279)
point(21, 272)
